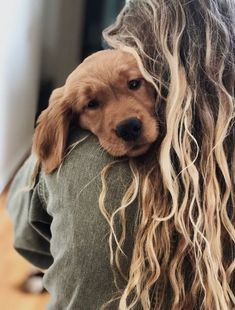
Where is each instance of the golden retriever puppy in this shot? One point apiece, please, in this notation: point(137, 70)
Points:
point(107, 95)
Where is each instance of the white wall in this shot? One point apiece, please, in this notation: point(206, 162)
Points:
point(20, 41)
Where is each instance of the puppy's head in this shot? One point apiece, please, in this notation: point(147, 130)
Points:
point(109, 97)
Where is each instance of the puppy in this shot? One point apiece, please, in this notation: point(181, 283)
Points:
point(108, 96)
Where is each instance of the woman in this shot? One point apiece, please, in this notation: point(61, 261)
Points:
point(172, 235)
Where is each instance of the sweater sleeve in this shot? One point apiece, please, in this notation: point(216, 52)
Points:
point(26, 207)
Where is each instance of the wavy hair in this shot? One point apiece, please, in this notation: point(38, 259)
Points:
point(184, 247)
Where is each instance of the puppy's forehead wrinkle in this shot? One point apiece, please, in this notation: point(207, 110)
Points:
point(112, 91)
point(93, 89)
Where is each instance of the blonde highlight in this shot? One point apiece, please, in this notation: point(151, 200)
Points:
point(185, 237)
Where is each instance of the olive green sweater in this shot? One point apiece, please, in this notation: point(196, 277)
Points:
point(58, 225)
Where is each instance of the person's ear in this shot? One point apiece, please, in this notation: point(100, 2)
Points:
point(51, 133)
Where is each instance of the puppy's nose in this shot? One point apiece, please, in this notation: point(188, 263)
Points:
point(129, 129)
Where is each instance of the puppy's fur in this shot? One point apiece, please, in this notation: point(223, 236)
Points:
point(99, 94)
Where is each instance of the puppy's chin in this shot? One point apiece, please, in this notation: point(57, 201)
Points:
point(138, 150)
point(131, 151)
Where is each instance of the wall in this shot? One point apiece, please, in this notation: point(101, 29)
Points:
point(39, 40)
point(20, 40)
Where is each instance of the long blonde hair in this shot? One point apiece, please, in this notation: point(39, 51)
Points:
point(184, 249)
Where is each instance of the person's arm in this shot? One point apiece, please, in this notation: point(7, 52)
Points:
point(30, 220)
point(81, 276)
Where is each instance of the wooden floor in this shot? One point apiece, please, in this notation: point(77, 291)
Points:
point(13, 270)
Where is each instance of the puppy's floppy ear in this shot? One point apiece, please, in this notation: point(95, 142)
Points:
point(51, 133)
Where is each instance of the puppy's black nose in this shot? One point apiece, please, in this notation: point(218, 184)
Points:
point(129, 129)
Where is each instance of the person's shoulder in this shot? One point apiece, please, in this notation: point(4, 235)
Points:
point(83, 147)
point(85, 157)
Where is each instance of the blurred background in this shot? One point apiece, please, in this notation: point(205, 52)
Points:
point(41, 42)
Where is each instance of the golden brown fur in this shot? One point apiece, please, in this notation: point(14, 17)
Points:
point(102, 77)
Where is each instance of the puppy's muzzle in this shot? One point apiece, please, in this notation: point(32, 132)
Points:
point(129, 129)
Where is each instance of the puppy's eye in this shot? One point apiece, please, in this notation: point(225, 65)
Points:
point(134, 84)
point(93, 104)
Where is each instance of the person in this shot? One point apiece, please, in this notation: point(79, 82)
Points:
point(155, 232)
